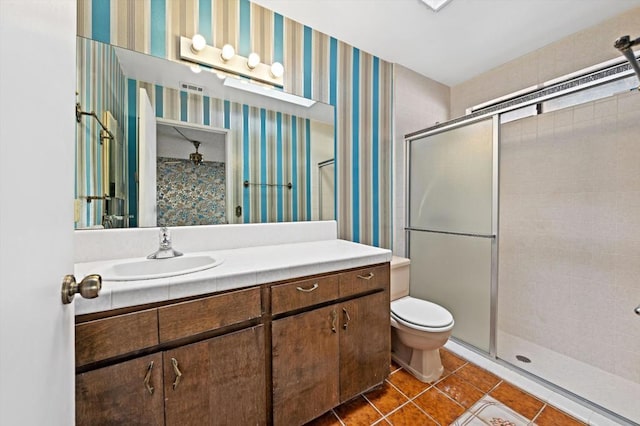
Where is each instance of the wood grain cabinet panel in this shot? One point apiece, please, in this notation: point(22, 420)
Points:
point(305, 366)
point(364, 280)
point(209, 313)
point(118, 395)
point(328, 342)
point(222, 381)
point(301, 294)
point(365, 343)
point(109, 337)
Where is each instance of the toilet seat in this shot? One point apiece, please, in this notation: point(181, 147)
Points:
point(421, 315)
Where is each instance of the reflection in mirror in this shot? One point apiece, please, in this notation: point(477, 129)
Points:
point(191, 175)
point(263, 159)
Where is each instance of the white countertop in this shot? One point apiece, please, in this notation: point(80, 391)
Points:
point(241, 267)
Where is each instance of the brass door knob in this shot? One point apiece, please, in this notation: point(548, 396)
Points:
point(88, 288)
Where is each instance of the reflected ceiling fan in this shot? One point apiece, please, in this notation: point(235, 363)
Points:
point(195, 157)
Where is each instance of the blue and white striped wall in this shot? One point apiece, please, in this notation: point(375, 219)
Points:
point(270, 147)
point(100, 85)
point(317, 66)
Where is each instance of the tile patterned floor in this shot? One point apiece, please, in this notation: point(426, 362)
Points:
point(465, 395)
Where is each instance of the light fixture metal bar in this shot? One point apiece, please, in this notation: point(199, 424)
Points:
point(265, 91)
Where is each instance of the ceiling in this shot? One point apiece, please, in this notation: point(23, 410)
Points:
point(461, 41)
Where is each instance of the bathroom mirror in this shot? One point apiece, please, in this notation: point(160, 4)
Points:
point(264, 157)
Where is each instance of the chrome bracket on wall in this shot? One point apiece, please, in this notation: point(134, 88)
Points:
point(104, 133)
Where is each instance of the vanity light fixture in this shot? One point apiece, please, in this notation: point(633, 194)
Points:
point(227, 52)
point(198, 43)
point(253, 60)
point(196, 50)
point(277, 70)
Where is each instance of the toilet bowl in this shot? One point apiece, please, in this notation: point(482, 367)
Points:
point(418, 328)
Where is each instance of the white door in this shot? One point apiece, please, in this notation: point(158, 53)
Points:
point(37, 133)
point(147, 149)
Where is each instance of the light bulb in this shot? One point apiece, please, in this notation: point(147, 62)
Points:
point(277, 70)
point(253, 60)
point(198, 43)
point(227, 52)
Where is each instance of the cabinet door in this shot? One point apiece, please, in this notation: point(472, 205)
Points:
point(365, 343)
point(305, 365)
point(127, 393)
point(219, 381)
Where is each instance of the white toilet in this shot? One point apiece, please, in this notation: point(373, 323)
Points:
point(418, 328)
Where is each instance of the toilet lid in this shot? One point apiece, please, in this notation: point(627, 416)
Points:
point(421, 313)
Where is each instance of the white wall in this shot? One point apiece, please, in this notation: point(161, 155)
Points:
point(37, 132)
point(419, 102)
point(580, 50)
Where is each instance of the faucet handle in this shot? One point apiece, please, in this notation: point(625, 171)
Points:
point(165, 238)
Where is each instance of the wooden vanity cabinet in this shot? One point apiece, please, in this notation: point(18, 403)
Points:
point(305, 365)
point(365, 352)
point(220, 380)
point(191, 380)
point(119, 395)
point(329, 354)
point(299, 348)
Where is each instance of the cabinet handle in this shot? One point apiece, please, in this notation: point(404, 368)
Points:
point(366, 277)
point(176, 370)
point(308, 290)
point(334, 316)
point(147, 379)
point(346, 319)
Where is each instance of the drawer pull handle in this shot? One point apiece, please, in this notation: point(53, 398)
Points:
point(346, 319)
point(367, 277)
point(308, 290)
point(176, 370)
point(147, 379)
point(334, 316)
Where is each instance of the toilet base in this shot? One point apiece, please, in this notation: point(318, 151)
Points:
point(425, 365)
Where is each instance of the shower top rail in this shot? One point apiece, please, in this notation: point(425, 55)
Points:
point(462, 234)
point(607, 71)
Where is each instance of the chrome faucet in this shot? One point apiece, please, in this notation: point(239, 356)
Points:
point(165, 251)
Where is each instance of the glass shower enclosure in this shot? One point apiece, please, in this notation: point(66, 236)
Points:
point(451, 224)
point(523, 222)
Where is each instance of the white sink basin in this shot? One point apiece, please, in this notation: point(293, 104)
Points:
point(147, 269)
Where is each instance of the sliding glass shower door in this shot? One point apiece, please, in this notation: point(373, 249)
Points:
point(451, 226)
point(569, 257)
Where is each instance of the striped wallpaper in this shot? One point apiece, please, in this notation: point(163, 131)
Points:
point(270, 147)
point(101, 87)
point(317, 66)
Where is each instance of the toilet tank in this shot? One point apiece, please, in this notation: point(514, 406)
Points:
point(399, 277)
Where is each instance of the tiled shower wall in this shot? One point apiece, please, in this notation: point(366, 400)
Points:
point(569, 237)
point(570, 54)
point(317, 66)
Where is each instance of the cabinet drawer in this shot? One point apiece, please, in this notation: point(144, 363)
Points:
point(300, 294)
point(363, 280)
point(198, 316)
point(119, 335)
